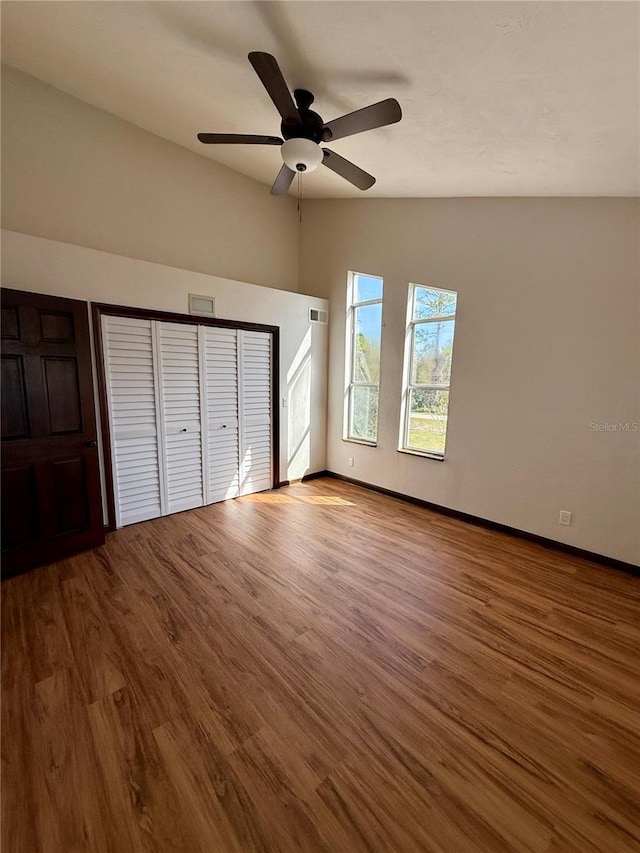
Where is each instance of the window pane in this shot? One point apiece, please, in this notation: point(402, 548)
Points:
point(364, 413)
point(433, 303)
point(367, 287)
point(428, 420)
point(367, 327)
point(432, 351)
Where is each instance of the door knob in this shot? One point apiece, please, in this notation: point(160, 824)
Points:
point(91, 443)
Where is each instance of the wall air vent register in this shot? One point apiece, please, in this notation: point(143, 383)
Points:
point(317, 315)
point(203, 306)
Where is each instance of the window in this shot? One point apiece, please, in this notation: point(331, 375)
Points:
point(431, 319)
point(364, 331)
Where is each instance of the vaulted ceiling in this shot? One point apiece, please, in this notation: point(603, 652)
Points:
point(499, 98)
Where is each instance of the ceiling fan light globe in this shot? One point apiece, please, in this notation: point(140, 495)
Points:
point(301, 155)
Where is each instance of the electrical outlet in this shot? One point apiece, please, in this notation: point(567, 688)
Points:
point(565, 517)
point(285, 402)
point(351, 461)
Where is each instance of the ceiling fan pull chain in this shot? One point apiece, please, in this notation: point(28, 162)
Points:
point(300, 196)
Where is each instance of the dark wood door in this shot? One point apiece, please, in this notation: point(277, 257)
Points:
point(51, 503)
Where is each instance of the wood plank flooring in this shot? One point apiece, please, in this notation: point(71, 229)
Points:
point(320, 668)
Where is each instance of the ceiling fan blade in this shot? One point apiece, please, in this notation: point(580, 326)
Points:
point(348, 170)
point(283, 181)
point(269, 73)
point(368, 118)
point(238, 138)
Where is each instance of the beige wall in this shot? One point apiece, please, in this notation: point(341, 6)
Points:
point(546, 345)
point(47, 266)
point(547, 339)
point(75, 173)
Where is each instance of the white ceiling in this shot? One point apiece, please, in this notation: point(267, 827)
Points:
point(499, 98)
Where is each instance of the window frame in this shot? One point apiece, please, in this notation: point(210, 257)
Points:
point(408, 386)
point(350, 361)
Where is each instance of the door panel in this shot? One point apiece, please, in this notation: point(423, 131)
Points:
point(57, 326)
point(51, 504)
point(69, 479)
point(10, 323)
point(255, 412)
point(20, 512)
point(14, 398)
point(63, 395)
point(220, 381)
point(133, 413)
point(179, 380)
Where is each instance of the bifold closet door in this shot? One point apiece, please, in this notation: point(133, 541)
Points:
point(190, 414)
point(133, 415)
point(219, 381)
point(178, 378)
point(256, 471)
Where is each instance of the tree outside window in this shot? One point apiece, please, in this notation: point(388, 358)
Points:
point(364, 331)
point(430, 335)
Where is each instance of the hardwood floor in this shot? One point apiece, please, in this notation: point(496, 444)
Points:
point(320, 669)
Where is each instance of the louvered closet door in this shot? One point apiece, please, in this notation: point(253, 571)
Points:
point(179, 383)
point(219, 366)
point(255, 411)
point(128, 348)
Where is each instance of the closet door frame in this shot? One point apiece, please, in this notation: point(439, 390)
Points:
point(99, 309)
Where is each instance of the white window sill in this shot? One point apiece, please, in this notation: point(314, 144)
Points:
point(361, 441)
point(432, 456)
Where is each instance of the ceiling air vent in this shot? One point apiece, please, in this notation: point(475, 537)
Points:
point(317, 315)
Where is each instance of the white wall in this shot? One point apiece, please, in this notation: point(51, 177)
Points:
point(46, 266)
point(546, 344)
point(75, 173)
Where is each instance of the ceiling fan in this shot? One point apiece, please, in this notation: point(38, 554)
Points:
point(304, 131)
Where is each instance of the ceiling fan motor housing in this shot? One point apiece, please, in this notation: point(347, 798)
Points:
point(301, 150)
point(311, 124)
